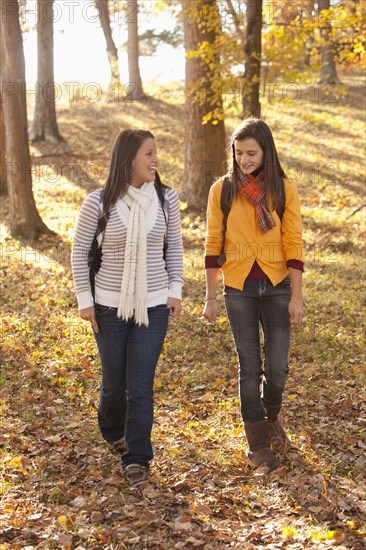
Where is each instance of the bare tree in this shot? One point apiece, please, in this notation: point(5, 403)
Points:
point(204, 126)
point(135, 90)
point(25, 220)
point(252, 52)
point(328, 70)
point(236, 19)
point(103, 10)
point(44, 126)
point(3, 186)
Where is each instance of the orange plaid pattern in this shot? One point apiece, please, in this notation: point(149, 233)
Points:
point(254, 190)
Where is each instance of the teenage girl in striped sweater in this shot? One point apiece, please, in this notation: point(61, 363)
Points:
point(262, 277)
point(137, 286)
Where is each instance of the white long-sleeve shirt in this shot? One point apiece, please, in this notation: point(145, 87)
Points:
point(164, 277)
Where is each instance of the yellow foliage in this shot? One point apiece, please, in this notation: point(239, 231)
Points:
point(207, 116)
point(16, 463)
point(289, 532)
point(65, 522)
point(328, 535)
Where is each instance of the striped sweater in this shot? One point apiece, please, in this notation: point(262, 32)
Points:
point(164, 277)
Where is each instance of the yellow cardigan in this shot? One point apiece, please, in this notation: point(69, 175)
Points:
point(245, 243)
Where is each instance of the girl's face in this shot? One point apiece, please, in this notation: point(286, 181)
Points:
point(145, 163)
point(248, 154)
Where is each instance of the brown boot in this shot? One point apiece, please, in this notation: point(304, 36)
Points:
point(260, 454)
point(280, 443)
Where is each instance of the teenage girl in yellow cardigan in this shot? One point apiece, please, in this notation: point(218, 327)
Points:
point(262, 273)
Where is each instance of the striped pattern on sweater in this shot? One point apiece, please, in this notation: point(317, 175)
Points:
point(161, 274)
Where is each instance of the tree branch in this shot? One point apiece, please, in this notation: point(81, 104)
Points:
point(357, 210)
point(236, 19)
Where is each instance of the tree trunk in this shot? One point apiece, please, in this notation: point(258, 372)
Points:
point(25, 220)
point(112, 52)
point(328, 70)
point(44, 126)
point(3, 186)
point(205, 144)
point(135, 90)
point(309, 41)
point(252, 52)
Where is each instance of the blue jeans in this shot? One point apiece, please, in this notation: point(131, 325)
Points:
point(260, 304)
point(129, 354)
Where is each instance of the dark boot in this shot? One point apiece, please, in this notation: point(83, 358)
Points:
point(280, 443)
point(260, 454)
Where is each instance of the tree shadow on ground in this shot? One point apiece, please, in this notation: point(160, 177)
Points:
point(308, 175)
point(84, 156)
point(47, 250)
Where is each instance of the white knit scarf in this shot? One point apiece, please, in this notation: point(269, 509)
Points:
point(133, 296)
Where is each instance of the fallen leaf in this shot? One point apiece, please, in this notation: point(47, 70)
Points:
point(78, 502)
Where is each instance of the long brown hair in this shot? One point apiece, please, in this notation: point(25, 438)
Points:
point(274, 174)
point(120, 174)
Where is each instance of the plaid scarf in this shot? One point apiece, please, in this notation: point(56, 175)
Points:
point(254, 189)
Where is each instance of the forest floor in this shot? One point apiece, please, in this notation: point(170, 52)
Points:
point(61, 488)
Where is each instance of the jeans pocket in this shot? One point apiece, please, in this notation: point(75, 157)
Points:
point(229, 290)
point(103, 310)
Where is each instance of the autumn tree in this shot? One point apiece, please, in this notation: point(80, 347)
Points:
point(25, 220)
point(304, 39)
point(44, 126)
point(328, 70)
point(112, 52)
point(289, 49)
point(352, 38)
point(248, 30)
point(204, 125)
point(135, 90)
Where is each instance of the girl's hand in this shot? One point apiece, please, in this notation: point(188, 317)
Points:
point(88, 314)
point(296, 311)
point(210, 311)
point(175, 306)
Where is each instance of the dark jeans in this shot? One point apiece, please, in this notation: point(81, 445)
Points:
point(129, 354)
point(260, 303)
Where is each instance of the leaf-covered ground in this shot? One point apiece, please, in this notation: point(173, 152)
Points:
point(60, 486)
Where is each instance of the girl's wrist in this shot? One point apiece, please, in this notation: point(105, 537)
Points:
point(213, 298)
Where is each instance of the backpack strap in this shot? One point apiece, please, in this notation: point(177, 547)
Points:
point(95, 252)
point(102, 220)
point(281, 207)
point(161, 190)
point(225, 205)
